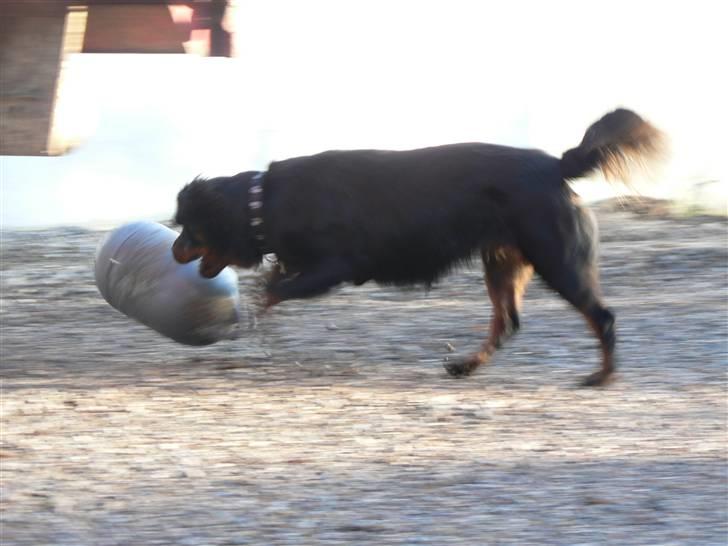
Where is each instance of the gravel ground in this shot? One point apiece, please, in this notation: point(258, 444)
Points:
point(333, 422)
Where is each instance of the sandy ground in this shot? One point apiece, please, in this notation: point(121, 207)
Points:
point(335, 423)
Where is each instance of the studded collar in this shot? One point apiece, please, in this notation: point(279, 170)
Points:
point(255, 211)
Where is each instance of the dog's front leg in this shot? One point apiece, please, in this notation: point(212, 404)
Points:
point(310, 282)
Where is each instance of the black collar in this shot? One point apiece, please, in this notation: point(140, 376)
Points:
point(255, 211)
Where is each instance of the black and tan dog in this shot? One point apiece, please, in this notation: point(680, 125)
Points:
point(409, 217)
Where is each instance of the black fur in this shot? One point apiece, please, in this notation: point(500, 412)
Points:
point(409, 217)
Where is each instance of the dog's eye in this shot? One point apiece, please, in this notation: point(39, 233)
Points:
point(195, 237)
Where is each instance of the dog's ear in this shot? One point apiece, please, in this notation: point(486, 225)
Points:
point(207, 205)
point(199, 200)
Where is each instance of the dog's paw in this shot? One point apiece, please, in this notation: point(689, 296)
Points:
point(597, 379)
point(461, 367)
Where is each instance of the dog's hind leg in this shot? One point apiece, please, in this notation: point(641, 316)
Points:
point(580, 287)
point(566, 260)
point(506, 276)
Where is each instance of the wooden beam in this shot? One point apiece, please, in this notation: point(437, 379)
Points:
point(132, 29)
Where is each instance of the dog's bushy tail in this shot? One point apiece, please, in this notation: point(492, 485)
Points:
point(615, 145)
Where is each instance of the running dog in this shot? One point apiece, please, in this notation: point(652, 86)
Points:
point(409, 217)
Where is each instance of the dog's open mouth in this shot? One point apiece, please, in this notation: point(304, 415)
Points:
point(210, 268)
point(210, 263)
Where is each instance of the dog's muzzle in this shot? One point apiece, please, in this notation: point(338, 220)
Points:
point(184, 253)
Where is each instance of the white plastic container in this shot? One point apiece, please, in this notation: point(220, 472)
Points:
point(137, 274)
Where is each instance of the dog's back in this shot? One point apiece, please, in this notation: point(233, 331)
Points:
point(406, 216)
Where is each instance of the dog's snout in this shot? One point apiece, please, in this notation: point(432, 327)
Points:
point(182, 252)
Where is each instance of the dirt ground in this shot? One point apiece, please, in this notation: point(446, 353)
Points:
point(334, 422)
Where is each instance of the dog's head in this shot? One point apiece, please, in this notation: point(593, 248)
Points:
point(213, 215)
